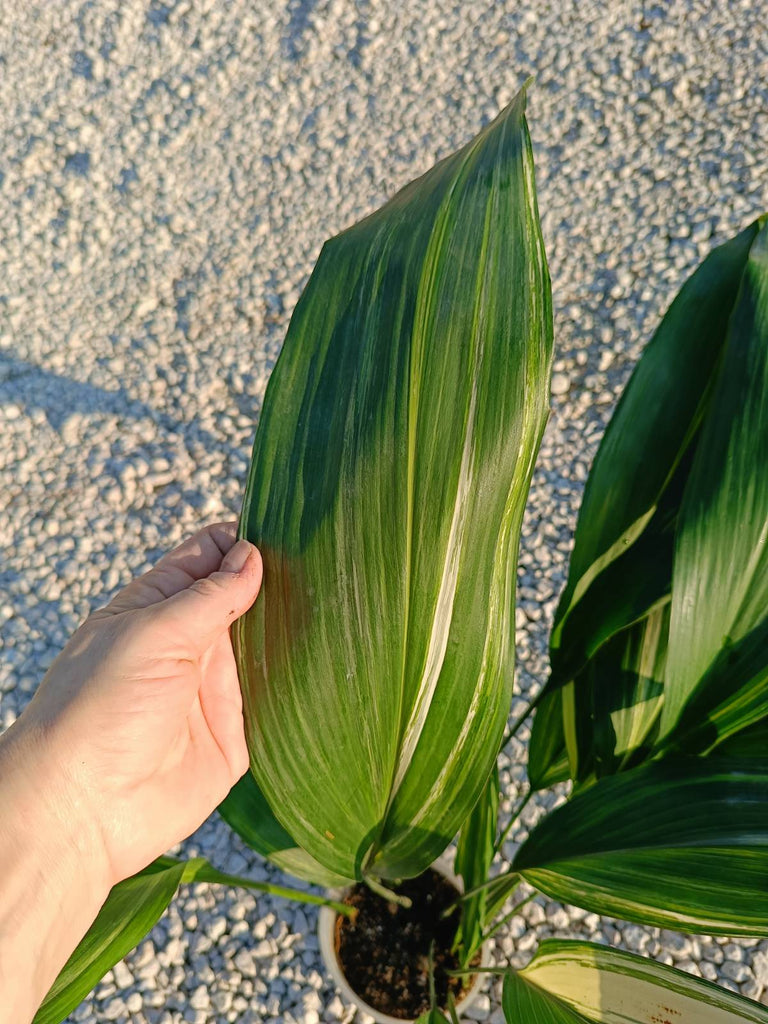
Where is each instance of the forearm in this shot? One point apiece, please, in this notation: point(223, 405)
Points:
point(53, 878)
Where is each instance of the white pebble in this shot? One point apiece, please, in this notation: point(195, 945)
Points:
point(560, 384)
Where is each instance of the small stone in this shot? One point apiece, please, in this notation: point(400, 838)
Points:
point(560, 920)
point(760, 968)
point(115, 1008)
point(217, 928)
point(221, 1001)
point(751, 988)
point(708, 970)
point(735, 971)
point(200, 1000)
point(335, 1009)
point(634, 937)
point(560, 384)
point(300, 925)
point(245, 964)
point(173, 952)
point(480, 1009)
point(689, 966)
point(606, 360)
point(123, 977)
point(265, 948)
point(134, 1002)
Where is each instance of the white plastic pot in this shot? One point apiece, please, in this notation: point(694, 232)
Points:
point(326, 928)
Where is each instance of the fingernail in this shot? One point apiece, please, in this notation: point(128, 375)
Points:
point(237, 556)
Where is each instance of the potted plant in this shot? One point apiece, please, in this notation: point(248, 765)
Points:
point(389, 476)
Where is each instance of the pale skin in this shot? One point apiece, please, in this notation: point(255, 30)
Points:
point(133, 738)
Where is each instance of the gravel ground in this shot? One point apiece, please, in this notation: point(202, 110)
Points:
point(168, 173)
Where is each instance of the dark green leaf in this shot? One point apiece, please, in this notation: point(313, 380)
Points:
point(750, 744)
point(720, 578)
point(655, 420)
point(389, 475)
point(682, 844)
point(620, 693)
point(474, 855)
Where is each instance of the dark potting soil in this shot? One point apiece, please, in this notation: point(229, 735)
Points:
point(384, 950)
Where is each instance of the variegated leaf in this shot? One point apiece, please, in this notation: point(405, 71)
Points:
point(389, 475)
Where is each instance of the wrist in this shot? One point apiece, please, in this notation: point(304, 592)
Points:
point(46, 810)
point(55, 873)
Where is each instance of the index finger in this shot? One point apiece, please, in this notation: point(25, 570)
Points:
point(195, 559)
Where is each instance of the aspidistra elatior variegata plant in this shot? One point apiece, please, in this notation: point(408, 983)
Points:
point(390, 470)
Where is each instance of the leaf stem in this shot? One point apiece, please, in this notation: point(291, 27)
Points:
point(391, 897)
point(513, 729)
point(199, 870)
point(474, 891)
point(507, 917)
point(452, 1009)
point(513, 818)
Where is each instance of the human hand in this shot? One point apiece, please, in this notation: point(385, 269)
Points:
point(133, 738)
point(141, 712)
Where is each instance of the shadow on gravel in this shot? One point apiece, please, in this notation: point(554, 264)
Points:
point(300, 12)
point(58, 396)
point(33, 388)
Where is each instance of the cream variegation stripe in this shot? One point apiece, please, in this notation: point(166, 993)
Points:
point(441, 622)
point(498, 627)
point(615, 987)
point(498, 624)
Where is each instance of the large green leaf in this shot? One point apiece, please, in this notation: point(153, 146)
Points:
point(720, 578)
point(682, 844)
point(621, 565)
point(389, 474)
point(130, 911)
point(474, 855)
point(245, 809)
point(654, 422)
point(569, 982)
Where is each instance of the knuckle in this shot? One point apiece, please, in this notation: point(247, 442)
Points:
point(209, 587)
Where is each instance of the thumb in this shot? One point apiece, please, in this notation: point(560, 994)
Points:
point(197, 616)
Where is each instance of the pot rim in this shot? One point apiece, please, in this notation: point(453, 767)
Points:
point(326, 934)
